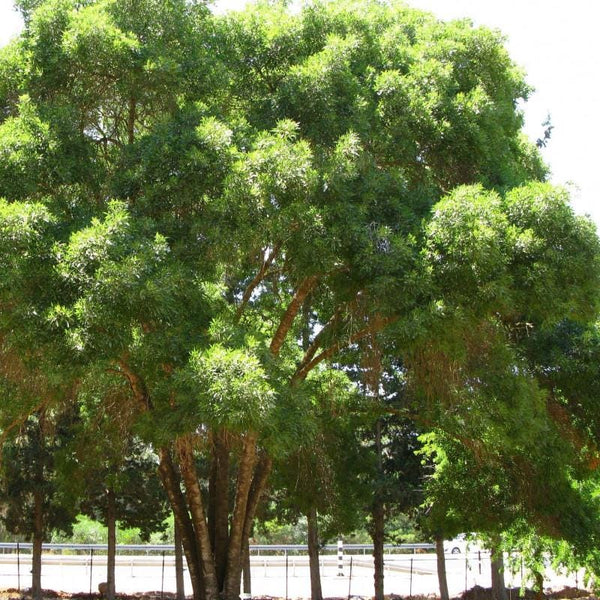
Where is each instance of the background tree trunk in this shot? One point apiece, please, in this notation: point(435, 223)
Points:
point(38, 539)
point(441, 567)
point(377, 535)
point(179, 564)
point(377, 525)
point(111, 523)
point(497, 567)
point(316, 592)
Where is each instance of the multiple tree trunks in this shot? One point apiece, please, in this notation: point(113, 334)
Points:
point(215, 541)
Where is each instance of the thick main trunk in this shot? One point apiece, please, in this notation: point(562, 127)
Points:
point(111, 522)
point(38, 539)
point(441, 567)
point(246, 572)
point(497, 567)
point(247, 460)
point(179, 583)
point(218, 514)
point(198, 516)
point(171, 483)
point(313, 555)
point(198, 532)
point(377, 535)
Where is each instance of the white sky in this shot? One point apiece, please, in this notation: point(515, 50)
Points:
point(557, 44)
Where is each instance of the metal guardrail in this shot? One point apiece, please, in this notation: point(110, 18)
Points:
point(254, 548)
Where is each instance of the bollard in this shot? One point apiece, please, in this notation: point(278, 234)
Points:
point(340, 551)
point(91, 568)
point(162, 577)
point(286, 575)
point(350, 579)
point(411, 577)
point(18, 567)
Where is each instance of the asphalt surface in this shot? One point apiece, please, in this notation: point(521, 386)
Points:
point(404, 575)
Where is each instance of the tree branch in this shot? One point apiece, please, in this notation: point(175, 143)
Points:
point(257, 279)
point(138, 387)
point(316, 343)
point(303, 290)
point(304, 369)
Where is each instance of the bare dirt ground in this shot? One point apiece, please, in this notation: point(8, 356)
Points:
point(475, 593)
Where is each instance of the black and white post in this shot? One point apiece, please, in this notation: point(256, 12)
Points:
point(340, 558)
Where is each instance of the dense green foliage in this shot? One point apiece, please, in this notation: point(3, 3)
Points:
point(178, 188)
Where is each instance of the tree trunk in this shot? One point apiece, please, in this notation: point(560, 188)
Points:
point(198, 516)
point(171, 482)
point(196, 531)
point(313, 555)
point(497, 567)
point(38, 539)
point(179, 564)
point(539, 585)
point(246, 572)
point(377, 534)
point(441, 567)
point(377, 526)
point(218, 513)
point(111, 523)
point(231, 589)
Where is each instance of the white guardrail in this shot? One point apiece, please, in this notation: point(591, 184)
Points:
point(255, 549)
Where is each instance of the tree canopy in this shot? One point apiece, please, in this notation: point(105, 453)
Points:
point(180, 187)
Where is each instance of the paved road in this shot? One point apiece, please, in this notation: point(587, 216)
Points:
point(405, 575)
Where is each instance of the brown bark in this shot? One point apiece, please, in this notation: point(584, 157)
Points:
point(111, 522)
point(441, 567)
point(38, 539)
point(539, 585)
point(247, 460)
point(377, 535)
point(305, 367)
point(259, 483)
point(218, 513)
point(316, 592)
point(198, 515)
point(377, 524)
point(290, 314)
point(171, 483)
point(257, 279)
point(138, 387)
point(497, 567)
point(310, 349)
point(246, 572)
point(179, 582)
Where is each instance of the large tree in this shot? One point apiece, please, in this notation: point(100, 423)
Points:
point(182, 186)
